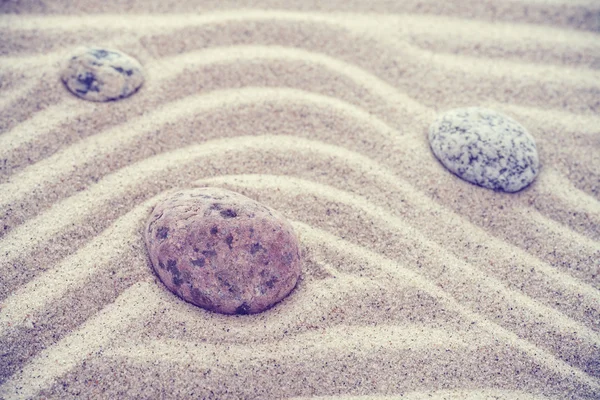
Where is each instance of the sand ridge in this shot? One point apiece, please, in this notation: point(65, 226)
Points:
point(415, 283)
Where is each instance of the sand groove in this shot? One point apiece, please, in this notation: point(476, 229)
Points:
point(95, 146)
point(546, 318)
point(415, 283)
point(116, 186)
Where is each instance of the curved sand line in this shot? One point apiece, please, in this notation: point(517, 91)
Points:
point(453, 33)
point(206, 57)
point(96, 256)
point(553, 184)
point(162, 70)
point(39, 124)
point(129, 306)
point(44, 76)
point(47, 225)
point(32, 62)
point(171, 66)
point(485, 67)
point(97, 331)
point(324, 295)
point(378, 262)
point(52, 222)
point(576, 14)
point(312, 307)
point(166, 68)
point(550, 119)
point(12, 96)
point(73, 271)
point(294, 185)
point(97, 147)
point(415, 23)
point(379, 87)
point(445, 34)
point(362, 340)
point(132, 129)
point(541, 312)
point(557, 228)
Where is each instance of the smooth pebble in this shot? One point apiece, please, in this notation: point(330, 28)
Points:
point(98, 74)
point(223, 251)
point(485, 147)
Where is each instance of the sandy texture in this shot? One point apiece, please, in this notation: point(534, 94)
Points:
point(414, 281)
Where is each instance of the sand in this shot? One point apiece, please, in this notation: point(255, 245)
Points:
point(415, 284)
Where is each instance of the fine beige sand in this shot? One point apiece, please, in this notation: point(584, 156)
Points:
point(415, 284)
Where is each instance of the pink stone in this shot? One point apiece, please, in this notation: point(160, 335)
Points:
point(223, 251)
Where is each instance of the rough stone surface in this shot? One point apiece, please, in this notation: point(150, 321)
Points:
point(98, 74)
point(486, 148)
point(223, 251)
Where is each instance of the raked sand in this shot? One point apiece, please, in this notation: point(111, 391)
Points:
point(415, 284)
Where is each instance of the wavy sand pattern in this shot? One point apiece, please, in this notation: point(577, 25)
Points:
point(415, 283)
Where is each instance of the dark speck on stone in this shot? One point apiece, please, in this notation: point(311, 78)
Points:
point(162, 232)
point(198, 262)
point(270, 283)
point(229, 213)
point(255, 248)
point(120, 70)
point(209, 253)
point(100, 53)
point(175, 273)
point(243, 309)
point(89, 81)
point(177, 281)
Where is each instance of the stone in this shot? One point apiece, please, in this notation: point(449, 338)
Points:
point(485, 147)
point(223, 251)
point(98, 74)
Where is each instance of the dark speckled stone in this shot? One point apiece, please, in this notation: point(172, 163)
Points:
point(223, 251)
point(486, 148)
point(98, 74)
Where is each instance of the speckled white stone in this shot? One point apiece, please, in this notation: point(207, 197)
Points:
point(98, 74)
point(485, 147)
